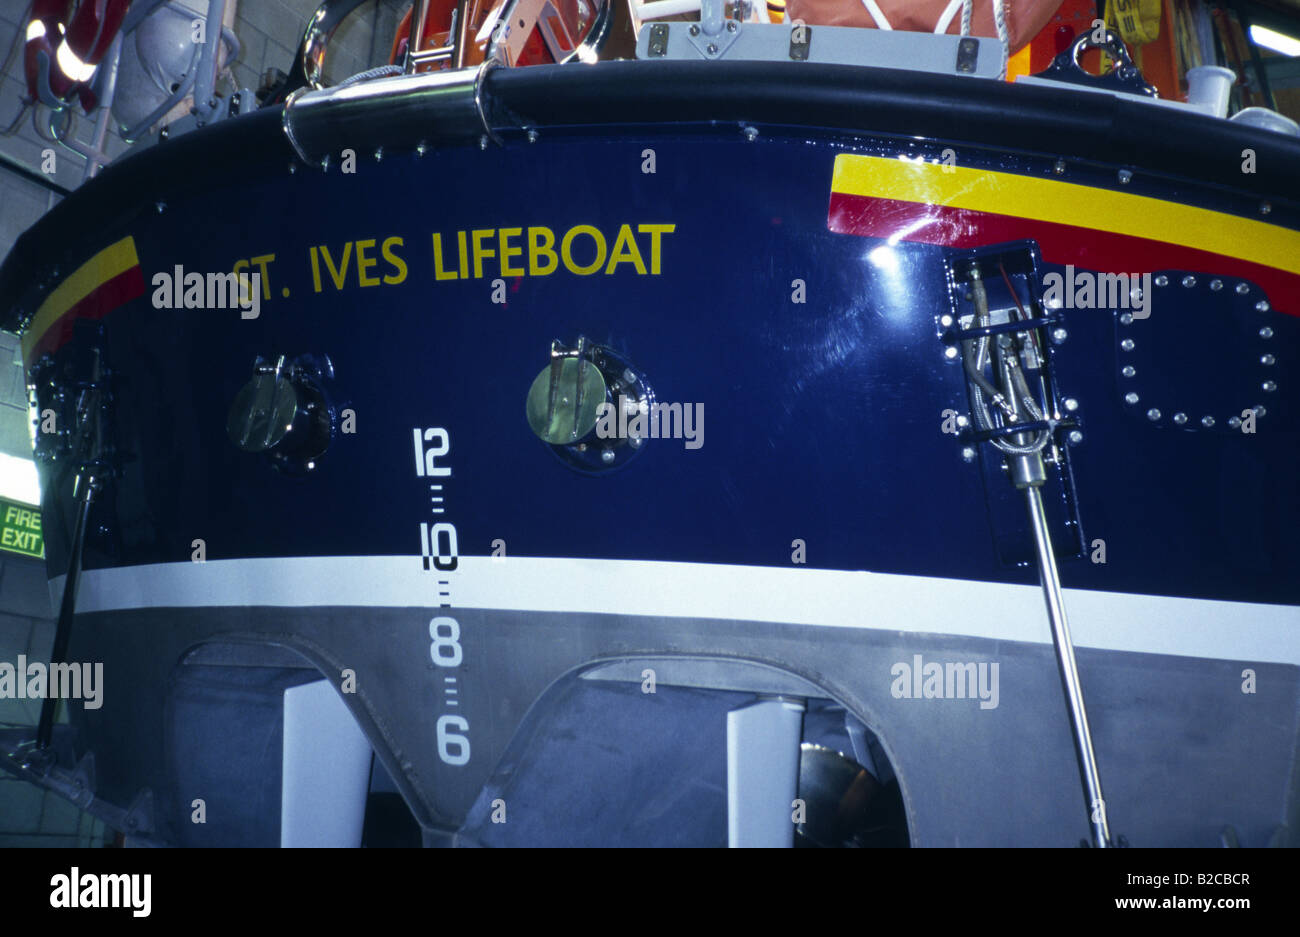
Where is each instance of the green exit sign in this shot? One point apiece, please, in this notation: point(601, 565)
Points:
point(20, 529)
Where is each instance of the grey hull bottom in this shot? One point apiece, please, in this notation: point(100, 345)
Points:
point(1184, 751)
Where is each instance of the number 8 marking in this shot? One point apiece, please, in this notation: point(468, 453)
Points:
point(449, 640)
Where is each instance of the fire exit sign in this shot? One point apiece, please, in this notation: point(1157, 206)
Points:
point(20, 529)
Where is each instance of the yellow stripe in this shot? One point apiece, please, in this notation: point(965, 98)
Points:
point(1003, 193)
point(112, 261)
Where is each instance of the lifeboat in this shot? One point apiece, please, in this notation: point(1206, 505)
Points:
point(770, 434)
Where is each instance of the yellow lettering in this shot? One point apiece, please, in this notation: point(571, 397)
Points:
point(438, 272)
point(8, 537)
point(315, 270)
point(464, 255)
point(625, 250)
point(541, 243)
point(567, 255)
point(505, 234)
point(266, 277)
point(655, 230)
point(364, 263)
point(480, 251)
point(396, 262)
point(338, 274)
point(9, 514)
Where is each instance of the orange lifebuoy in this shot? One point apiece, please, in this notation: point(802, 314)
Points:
point(66, 40)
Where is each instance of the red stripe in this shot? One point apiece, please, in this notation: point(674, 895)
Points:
point(109, 295)
point(1086, 248)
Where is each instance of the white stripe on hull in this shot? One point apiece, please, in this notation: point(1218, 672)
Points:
point(1114, 621)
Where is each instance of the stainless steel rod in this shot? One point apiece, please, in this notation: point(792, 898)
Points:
point(1069, 670)
point(419, 13)
point(460, 42)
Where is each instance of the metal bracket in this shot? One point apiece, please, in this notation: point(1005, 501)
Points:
point(658, 40)
point(800, 43)
point(968, 55)
point(713, 46)
point(713, 34)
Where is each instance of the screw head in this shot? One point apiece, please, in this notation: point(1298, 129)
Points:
point(950, 352)
point(751, 134)
point(1059, 335)
point(695, 29)
point(1126, 318)
point(1128, 344)
point(1153, 414)
point(1270, 386)
point(1180, 418)
point(1059, 167)
point(161, 206)
point(1265, 208)
point(1207, 421)
point(1189, 281)
point(1259, 410)
point(1261, 306)
point(1216, 285)
point(968, 454)
point(483, 142)
point(1071, 404)
point(1125, 176)
point(1243, 289)
point(1266, 332)
point(293, 168)
point(1128, 370)
point(1131, 398)
point(1162, 280)
point(1234, 422)
point(1075, 437)
point(607, 456)
point(421, 149)
point(731, 26)
point(379, 154)
point(1267, 360)
point(532, 136)
point(712, 48)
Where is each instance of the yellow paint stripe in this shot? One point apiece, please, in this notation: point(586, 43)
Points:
point(1004, 193)
point(112, 261)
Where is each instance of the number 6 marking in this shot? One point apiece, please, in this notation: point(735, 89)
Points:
point(448, 739)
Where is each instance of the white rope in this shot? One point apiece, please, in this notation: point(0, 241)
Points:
point(874, 9)
point(1004, 37)
point(966, 6)
point(946, 17)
